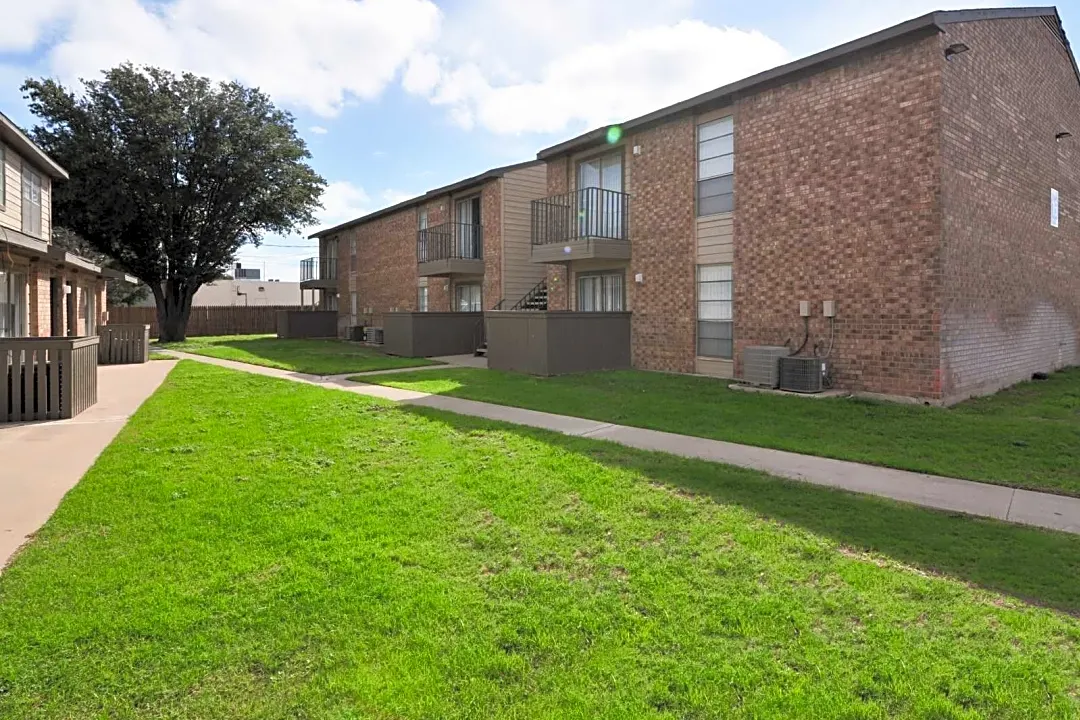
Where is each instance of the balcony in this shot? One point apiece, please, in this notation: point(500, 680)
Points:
point(450, 249)
point(590, 223)
point(318, 273)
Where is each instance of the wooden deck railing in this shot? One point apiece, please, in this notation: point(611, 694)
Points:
point(123, 344)
point(47, 378)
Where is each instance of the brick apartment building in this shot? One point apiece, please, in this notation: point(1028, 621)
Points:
point(926, 179)
point(463, 247)
point(44, 290)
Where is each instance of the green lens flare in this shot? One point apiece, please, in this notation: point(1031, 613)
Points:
point(614, 134)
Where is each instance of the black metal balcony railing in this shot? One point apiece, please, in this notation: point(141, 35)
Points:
point(318, 269)
point(450, 241)
point(585, 213)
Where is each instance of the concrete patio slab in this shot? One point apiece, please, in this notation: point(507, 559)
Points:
point(43, 460)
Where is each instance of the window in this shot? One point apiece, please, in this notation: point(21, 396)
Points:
point(714, 311)
point(600, 213)
point(423, 219)
point(421, 299)
point(468, 298)
point(716, 167)
point(352, 301)
point(31, 202)
point(352, 256)
point(602, 292)
point(89, 308)
point(13, 318)
point(468, 242)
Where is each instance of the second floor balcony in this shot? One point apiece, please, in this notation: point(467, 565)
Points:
point(450, 249)
point(583, 224)
point(319, 272)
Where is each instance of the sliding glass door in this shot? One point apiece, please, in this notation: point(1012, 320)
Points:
point(600, 214)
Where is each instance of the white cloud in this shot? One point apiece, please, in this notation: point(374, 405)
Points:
point(318, 130)
point(341, 201)
point(603, 82)
point(315, 54)
point(25, 22)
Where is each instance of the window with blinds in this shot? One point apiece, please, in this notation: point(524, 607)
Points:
point(13, 318)
point(600, 292)
point(714, 327)
point(716, 167)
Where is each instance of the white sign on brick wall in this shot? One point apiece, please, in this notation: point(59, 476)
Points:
point(1055, 205)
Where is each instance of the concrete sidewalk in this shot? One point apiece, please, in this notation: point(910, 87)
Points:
point(43, 460)
point(1025, 507)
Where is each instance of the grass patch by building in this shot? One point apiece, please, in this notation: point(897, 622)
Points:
point(302, 552)
point(315, 357)
point(1027, 436)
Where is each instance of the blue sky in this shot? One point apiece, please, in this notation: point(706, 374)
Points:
point(398, 96)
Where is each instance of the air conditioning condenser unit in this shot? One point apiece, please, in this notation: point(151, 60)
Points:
point(803, 374)
point(760, 365)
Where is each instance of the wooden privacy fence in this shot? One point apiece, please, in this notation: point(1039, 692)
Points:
point(123, 344)
point(208, 320)
point(47, 378)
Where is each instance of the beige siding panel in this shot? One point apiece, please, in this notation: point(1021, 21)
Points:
point(519, 273)
point(11, 212)
point(714, 367)
point(715, 239)
point(46, 208)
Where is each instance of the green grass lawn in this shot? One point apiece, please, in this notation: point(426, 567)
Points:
point(315, 357)
point(1028, 436)
point(161, 356)
point(299, 552)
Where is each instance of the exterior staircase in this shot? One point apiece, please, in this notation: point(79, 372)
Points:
point(535, 300)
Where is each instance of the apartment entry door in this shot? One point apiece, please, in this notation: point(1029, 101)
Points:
point(467, 213)
point(601, 213)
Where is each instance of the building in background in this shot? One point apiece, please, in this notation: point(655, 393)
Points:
point(241, 293)
point(463, 247)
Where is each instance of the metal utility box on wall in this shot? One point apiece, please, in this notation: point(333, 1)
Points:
point(761, 365)
point(802, 374)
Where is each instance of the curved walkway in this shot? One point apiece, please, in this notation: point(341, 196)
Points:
point(1025, 507)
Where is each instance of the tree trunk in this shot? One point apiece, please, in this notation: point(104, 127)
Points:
point(173, 310)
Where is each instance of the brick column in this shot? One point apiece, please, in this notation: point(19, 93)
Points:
point(439, 295)
point(558, 290)
point(40, 310)
point(102, 310)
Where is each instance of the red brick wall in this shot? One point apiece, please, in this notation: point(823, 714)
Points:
point(491, 218)
point(439, 297)
point(662, 236)
point(40, 298)
point(1011, 296)
point(384, 272)
point(836, 192)
point(558, 182)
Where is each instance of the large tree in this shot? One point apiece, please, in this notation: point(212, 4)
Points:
point(171, 175)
